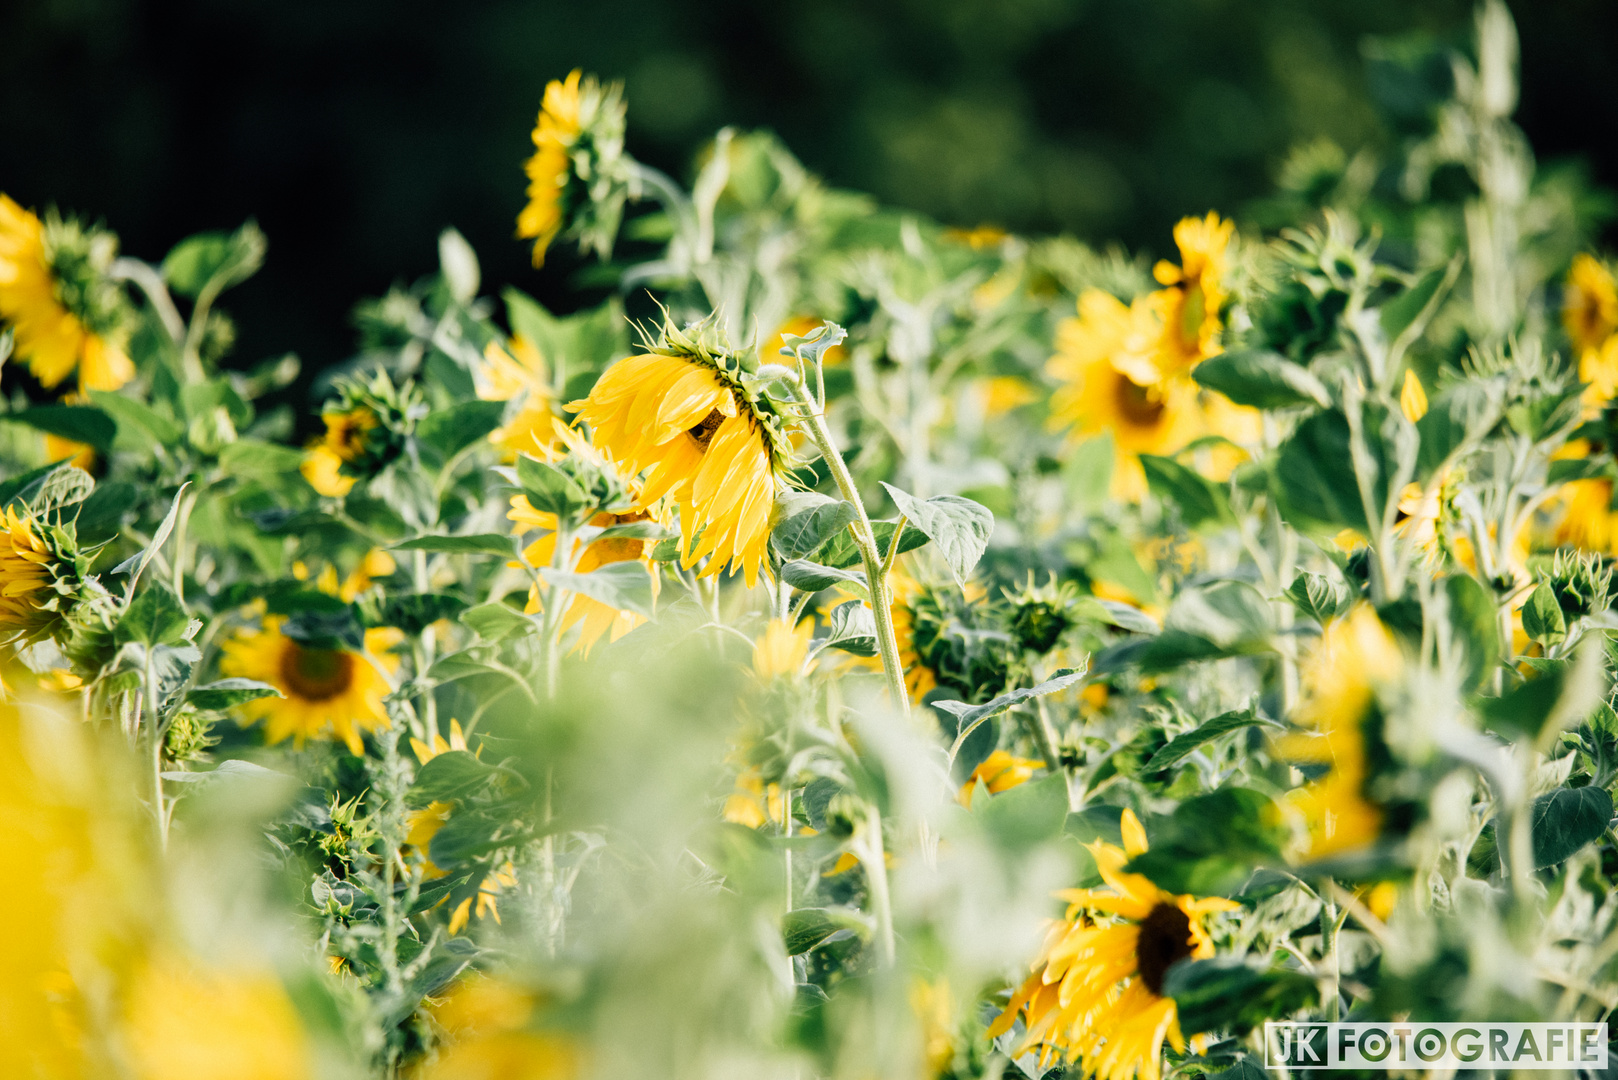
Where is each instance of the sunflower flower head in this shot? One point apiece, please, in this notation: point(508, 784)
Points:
point(1096, 993)
point(1195, 293)
point(578, 177)
point(328, 691)
point(709, 442)
point(66, 312)
point(781, 650)
point(1355, 659)
point(518, 374)
point(1589, 304)
point(368, 428)
point(1000, 771)
point(39, 575)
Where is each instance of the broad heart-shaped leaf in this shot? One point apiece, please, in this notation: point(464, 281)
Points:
point(1461, 414)
point(1126, 617)
point(451, 430)
point(18, 489)
point(804, 928)
point(1565, 820)
point(853, 629)
point(1261, 379)
point(155, 618)
point(227, 693)
point(1315, 469)
point(1198, 499)
point(804, 520)
point(495, 621)
point(1474, 626)
point(469, 832)
point(549, 488)
point(625, 586)
point(1027, 814)
point(137, 418)
point(960, 528)
point(63, 487)
point(806, 576)
point(1318, 596)
point(80, 423)
point(500, 544)
point(1227, 994)
point(1411, 309)
point(1229, 614)
point(1211, 843)
point(1542, 618)
point(1181, 746)
point(841, 551)
point(217, 258)
point(450, 775)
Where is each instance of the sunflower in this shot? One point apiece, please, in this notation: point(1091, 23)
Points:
point(343, 444)
point(1412, 397)
point(1000, 771)
point(519, 374)
point(326, 693)
point(1096, 994)
point(781, 651)
point(33, 574)
point(485, 1022)
point(598, 618)
point(65, 312)
point(681, 414)
point(578, 171)
point(1356, 656)
point(1589, 304)
point(1588, 520)
point(1189, 307)
point(754, 802)
point(1107, 385)
point(549, 169)
point(919, 678)
point(252, 1030)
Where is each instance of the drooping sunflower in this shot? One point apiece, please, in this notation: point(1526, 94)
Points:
point(1355, 657)
point(575, 178)
point(368, 426)
point(326, 692)
point(343, 443)
point(1096, 994)
point(1589, 304)
point(1190, 305)
point(66, 313)
point(681, 414)
point(36, 576)
point(1108, 385)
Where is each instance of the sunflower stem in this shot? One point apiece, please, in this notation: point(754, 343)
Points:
point(156, 734)
point(876, 873)
point(876, 570)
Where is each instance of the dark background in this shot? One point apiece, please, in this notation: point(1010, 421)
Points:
point(354, 130)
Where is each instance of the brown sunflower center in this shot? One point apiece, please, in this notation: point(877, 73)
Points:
point(703, 432)
point(1137, 404)
point(1165, 939)
point(316, 674)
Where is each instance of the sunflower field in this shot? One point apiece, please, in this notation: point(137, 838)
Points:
point(857, 648)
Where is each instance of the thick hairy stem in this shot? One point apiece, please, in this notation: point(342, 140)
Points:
point(876, 874)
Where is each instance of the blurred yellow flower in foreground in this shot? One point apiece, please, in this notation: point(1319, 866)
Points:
point(487, 1036)
point(52, 340)
point(782, 649)
point(343, 442)
point(1000, 771)
point(753, 802)
point(1189, 308)
point(185, 1022)
point(1589, 304)
point(1096, 993)
point(1412, 397)
point(328, 693)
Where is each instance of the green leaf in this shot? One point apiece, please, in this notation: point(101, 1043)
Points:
point(1565, 820)
point(1181, 746)
point(1028, 814)
point(19, 489)
point(227, 693)
point(133, 416)
point(1246, 1068)
point(1474, 626)
point(1211, 843)
point(413, 612)
point(1127, 617)
point(853, 629)
point(813, 346)
point(549, 488)
point(1319, 597)
point(960, 528)
point(811, 577)
point(804, 520)
point(496, 621)
point(1315, 468)
point(500, 544)
point(1261, 379)
point(104, 511)
point(458, 265)
point(63, 487)
point(1199, 499)
point(155, 618)
point(1229, 614)
point(625, 586)
point(1457, 418)
point(80, 423)
point(633, 530)
point(214, 259)
point(1227, 994)
point(469, 832)
point(451, 430)
point(968, 717)
point(841, 551)
point(804, 928)
point(135, 565)
point(1542, 618)
point(449, 776)
point(1407, 314)
point(1584, 468)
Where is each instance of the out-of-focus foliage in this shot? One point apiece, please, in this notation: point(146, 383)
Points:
point(913, 653)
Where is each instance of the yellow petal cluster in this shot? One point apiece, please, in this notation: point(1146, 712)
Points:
point(549, 168)
point(49, 338)
point(780, 650)
point(327, 693)
point(701, 445)
point(1095, 996)
point(1000, 771)
point(25, 570)
point(519, 373)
